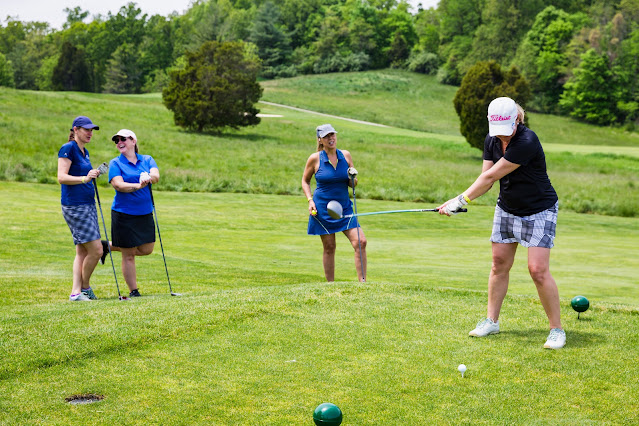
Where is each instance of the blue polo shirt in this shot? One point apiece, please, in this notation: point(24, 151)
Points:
point(137, 202)
point(76, 195)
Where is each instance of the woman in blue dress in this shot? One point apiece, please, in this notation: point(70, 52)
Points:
point(332, 169)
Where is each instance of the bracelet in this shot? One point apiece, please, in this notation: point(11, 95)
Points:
point(83, 179)
point(466, 198)
point(309, 199)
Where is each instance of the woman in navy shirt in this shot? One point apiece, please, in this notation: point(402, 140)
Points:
point(132, 226)
point(76, 175)
point(526, 214)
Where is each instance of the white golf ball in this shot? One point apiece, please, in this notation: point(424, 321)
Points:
point(461, 368)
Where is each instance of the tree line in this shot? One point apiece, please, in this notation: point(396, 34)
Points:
point(579, 57)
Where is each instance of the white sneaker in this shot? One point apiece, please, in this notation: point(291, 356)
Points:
point(485, 327)
point(556, 339)
point(79, 298)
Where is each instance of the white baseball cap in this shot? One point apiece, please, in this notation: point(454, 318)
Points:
point(324, 130)
point(126, 133)
point(502, 116)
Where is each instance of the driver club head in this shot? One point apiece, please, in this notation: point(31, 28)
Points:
point(176, 294)
point(334, 209)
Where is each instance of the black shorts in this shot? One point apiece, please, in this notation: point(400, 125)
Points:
point(128, 231)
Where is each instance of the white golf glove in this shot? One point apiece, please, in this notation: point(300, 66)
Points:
point(352, 172)
point(145, 177)
point(454, 205)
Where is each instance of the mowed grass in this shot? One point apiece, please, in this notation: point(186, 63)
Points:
point(258, 337)
point(418, 102)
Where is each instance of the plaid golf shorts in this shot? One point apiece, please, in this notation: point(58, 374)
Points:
point(537, 230)
point(83, 222)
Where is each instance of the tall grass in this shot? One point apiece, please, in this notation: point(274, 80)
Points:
point(394, 163)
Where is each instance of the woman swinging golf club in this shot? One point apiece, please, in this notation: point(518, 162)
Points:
point(334, 173)
point(132, 226)
point(526, 213)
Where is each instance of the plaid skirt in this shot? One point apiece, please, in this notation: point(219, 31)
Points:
point(537, 230)
point(83, 222)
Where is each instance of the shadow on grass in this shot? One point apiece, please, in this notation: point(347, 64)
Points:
point(574, 339)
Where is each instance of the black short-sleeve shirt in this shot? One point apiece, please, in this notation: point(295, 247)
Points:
point(527, 190)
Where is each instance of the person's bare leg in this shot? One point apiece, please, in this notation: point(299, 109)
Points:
point(93, 255)
point(539, 268)
point(128, 267)
point(328, 256)
point(360, 258)
point(503, 258)
point(78, 262)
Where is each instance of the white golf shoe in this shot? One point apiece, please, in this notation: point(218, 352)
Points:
point(556, 339)
point(484, 328)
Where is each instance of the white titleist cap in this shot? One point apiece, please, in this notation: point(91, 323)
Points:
point(502, 115)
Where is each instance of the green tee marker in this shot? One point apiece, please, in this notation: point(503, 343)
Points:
point(327, 414)
point(580, 304)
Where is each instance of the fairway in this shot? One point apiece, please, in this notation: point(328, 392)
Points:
point(260, 338)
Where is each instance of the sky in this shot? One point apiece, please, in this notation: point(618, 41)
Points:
point(52, 11)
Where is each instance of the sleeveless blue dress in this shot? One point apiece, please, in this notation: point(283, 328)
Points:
point(332, 184)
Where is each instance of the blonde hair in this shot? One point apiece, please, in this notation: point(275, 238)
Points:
point(521, 114)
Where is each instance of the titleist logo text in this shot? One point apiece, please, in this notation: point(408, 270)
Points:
point(497, 117)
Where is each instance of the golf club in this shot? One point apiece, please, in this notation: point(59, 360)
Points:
point(359, 243)
point(335, 211)
point(103, 169)
point(157, 224)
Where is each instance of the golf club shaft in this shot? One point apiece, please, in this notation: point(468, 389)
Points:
point(399, 211)
point(157, 225)
point(359, 242)
point(115, 276)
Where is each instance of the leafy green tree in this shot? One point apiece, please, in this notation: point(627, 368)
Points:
point(74, 15)
point(27, 54)
point(6, 72)
point(482, 83)
point(273, 44)
point(123, 74)
point(71, 72)
point(626, 75)
point(217, 88)
point(542, 55)
point(588, 95)
point(427, 28)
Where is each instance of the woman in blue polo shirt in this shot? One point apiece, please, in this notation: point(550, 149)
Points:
point(132, 226)
point(76, 175)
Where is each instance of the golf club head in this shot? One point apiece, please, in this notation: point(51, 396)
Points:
point(103, 168)
point(334, 209)
point(123, 298)
point(176, 294)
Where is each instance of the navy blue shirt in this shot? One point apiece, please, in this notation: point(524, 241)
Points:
point(527, 190)
point(137, 202)
point(76, 195)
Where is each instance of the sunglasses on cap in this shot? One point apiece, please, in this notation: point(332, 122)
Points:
point(117, 139)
